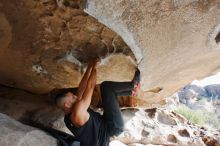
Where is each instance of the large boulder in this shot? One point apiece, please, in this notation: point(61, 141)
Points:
point(47, 44)
point(14, 133)
point(175, 41)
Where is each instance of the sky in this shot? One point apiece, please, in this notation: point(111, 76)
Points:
point(214, 79)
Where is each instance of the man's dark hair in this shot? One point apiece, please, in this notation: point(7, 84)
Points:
point(62, 94)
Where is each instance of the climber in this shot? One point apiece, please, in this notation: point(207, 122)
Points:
point(88, 127)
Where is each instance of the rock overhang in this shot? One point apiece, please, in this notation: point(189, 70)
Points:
point(167, 39)
point(178, 39)
point(52, 43)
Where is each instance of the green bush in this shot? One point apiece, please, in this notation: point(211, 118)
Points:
point(200, 117)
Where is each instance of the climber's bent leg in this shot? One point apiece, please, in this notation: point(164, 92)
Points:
point(112, 113)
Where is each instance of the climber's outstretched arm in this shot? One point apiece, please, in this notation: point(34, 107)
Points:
point(84, 80)
point(79, 114)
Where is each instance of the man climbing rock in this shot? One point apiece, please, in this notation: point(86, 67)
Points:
point(91, 128)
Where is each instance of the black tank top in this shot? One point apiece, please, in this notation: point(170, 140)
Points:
point(92, 133)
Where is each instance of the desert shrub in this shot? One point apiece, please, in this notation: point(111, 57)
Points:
point(201, 117)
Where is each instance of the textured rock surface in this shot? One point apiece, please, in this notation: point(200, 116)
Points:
point(142, 129)
point(14, 133)
point(178, 39)
point(29, 108)
point(46, 44)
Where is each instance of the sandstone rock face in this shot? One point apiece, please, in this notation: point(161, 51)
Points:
point(142, 129)
point(17, 134)
point(47, 44)
point(177, 40)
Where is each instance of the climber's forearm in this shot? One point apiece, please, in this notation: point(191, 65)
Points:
point(83, 82)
